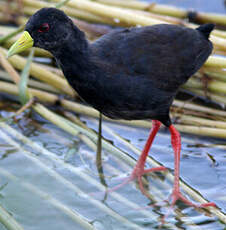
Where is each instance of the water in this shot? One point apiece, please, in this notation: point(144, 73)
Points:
point(43, 193)
point(23, 197)
point(216, 6)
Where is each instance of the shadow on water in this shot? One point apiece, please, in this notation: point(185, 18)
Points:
point(41, 192)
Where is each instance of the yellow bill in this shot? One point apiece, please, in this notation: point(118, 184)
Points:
point(23, 43)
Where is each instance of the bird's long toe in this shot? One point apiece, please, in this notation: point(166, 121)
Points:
point(137, 174)
point(177, 195)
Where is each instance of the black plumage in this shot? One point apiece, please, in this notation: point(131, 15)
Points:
point(128, 73)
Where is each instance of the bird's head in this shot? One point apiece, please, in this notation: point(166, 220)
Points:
point(48, 28)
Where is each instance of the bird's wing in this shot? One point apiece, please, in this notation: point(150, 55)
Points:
point(167, 53)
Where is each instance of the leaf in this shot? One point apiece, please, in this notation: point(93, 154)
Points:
point(24, 94)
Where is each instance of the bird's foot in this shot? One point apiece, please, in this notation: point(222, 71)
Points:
point(177, 195)
point(137, 173)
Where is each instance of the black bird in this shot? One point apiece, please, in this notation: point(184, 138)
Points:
point(126, 74)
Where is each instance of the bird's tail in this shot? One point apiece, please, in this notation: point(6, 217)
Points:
point(206, 29)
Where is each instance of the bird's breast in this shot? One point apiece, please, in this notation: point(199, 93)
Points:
point(124, 98)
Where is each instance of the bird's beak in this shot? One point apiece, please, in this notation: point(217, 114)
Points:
point(23, 43)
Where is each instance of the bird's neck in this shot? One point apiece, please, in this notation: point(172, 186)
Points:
point(74, 58)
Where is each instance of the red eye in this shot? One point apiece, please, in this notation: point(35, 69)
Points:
point(44, 27)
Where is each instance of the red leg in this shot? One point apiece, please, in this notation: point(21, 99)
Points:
point(176, 194)
point(139, 170)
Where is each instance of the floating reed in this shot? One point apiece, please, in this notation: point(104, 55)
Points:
point(167, 10)
point(8, 221)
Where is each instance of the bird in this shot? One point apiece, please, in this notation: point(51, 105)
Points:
point(129, 73)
